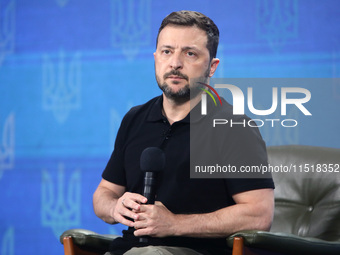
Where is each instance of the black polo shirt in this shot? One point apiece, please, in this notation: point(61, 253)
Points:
point(145, 126)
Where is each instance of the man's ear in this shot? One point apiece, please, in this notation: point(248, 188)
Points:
point(213, 66)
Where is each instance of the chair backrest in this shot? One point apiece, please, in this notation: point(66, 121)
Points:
point(307, 197)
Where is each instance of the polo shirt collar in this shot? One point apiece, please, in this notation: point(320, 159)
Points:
point(156, 114)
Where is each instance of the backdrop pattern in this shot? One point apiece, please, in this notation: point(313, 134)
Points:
point(71, 69)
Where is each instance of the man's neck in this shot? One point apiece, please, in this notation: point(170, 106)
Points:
point(175, 111)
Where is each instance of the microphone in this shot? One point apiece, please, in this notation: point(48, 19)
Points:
point(152, 161)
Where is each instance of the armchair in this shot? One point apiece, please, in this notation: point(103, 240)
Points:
point(307, 209)
point(85, 242)
point(307, 204)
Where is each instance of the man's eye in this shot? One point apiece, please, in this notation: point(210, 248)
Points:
point(166, 52)
point(190, 54)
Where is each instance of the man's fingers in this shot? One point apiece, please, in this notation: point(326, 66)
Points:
point(125, 211)
point(119, 218)
point(128, 207)
point(142, 216)
point(129, 214)
point(142, 232)
point(128, 203)
point(158, 203)
point(138, 198)
point(154, 220)
point(145, 232)
point(132, 200)
point(140, 224)
point(145, 208)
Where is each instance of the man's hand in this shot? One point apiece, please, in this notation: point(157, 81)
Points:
point(126, 208)
point(154, 220)
point(253, 210)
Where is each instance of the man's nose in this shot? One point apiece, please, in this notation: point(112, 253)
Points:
point(176, 61)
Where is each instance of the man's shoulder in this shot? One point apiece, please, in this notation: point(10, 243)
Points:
point(142, 109)
point(137, 116)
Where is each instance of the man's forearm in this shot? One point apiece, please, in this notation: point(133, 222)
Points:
point(104, 202)
point(113, 204)
point(253, 210)
point(221, 223)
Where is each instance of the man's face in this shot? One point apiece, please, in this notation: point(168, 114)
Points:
point(182, 59)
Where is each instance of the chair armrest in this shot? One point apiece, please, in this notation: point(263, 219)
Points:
point(286, 243)
point(87, 239)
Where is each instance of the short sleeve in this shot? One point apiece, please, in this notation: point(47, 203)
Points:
point(247, 149)
point(114, 171)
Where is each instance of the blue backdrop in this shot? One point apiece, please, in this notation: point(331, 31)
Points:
point(70, 69)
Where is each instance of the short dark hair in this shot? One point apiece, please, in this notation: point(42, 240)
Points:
point(192, 18)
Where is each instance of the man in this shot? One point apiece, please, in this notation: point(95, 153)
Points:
point(190, 216)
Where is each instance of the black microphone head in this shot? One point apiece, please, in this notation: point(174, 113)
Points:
point(152, 160)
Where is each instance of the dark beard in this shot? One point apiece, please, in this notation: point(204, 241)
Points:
point(181, 96)
point(184, 94)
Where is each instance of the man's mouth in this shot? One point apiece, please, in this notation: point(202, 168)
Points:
point(175, 77)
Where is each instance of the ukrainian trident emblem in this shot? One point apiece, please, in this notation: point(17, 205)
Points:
point(7, 247)
point(7, 28)
point(277, 21)
point(7, 146)
point(60, 200)
point(61, 85)
point(131, 25)
point(62, 3)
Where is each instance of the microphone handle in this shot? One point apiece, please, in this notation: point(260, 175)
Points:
point(149, 187)
point(150, 193)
